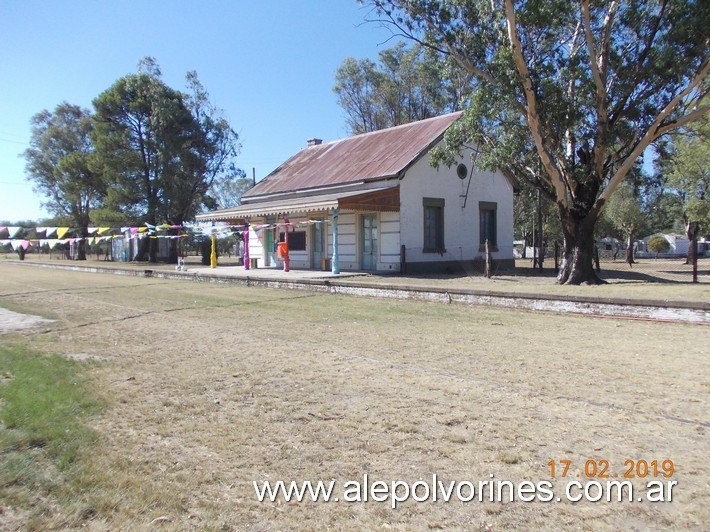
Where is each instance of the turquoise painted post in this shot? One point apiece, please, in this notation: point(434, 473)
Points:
point(334, 264)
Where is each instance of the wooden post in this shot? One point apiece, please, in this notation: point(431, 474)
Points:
point(540, 254)
point(402, 259)
point(693, 250)
point(335, 263)
point(534, 247)
point(245, 236)
point(488, 259)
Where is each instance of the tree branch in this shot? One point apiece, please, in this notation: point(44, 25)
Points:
point(616, 111)
point(598, 65)
point(552, 168)
point(656, 130)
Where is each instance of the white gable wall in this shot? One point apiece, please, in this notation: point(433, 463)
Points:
point(389, 228)
point(461, 225)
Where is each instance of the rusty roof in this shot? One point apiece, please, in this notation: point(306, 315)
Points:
point(379, 155)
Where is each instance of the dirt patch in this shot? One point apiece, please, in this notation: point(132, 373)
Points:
point(14, 321)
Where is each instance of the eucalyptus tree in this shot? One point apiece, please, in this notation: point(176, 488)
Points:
point(407, 84)
point(624, 211)
point(688, 173)
point(59, 163)
point(227, 191)
point(569, 93)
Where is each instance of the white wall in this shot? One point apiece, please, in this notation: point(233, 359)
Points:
point(389, 241)
point(256, 246)
point(347, 227)
point(461, 225)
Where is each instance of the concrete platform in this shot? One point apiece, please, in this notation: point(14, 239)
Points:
point(271, 273)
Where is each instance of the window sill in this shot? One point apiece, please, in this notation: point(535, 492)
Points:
point(434, 250)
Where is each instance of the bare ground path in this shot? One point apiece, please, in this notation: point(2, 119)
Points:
point(15, 321)
point(211, 387)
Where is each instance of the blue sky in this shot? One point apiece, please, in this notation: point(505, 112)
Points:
point(270, 64)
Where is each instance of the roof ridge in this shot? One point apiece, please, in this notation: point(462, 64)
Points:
point(399, 126)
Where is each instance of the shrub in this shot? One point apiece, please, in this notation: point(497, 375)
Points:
point(658, 244)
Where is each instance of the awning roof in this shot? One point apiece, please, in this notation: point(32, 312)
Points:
point(378, 199)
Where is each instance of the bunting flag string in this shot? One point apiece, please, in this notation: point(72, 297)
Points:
point(102, 234)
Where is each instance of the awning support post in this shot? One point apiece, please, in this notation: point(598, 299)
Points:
point(245, 236)
point(334, 263)
point(213, 250)
point(287, 259)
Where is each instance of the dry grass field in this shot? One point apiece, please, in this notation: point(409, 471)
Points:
point(209, 387)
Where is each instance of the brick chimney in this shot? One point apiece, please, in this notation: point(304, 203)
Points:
point(314, 142)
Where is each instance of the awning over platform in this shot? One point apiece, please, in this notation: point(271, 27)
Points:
point(377, 199)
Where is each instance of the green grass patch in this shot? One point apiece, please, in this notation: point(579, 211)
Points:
point(44, 402)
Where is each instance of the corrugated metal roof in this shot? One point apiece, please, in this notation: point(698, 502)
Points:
point(368, 157)
point(319, 203)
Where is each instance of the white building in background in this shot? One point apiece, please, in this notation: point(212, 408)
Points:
point(393, 211)
point(679, 246)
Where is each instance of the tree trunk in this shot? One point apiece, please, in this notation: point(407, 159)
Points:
point(173, 253)
point(630, 249)
point(153, 249)
point(577, 250)
point(142, 249)
point(81, 248)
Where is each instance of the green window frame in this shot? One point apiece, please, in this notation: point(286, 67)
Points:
point(488, 225)
point(433, 220)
